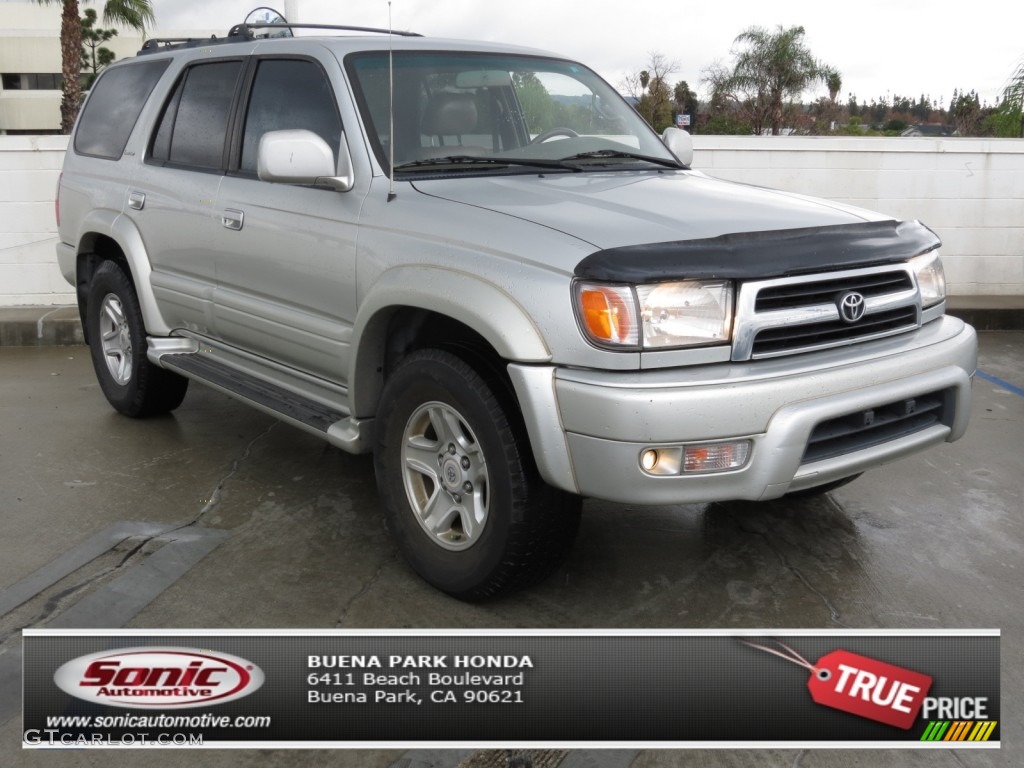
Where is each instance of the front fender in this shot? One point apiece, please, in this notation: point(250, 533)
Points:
point(486, 308)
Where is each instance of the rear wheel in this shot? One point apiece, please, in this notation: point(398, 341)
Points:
point(461, 494)
point(117, 343)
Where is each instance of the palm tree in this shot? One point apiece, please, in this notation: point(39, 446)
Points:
point(775, 65)
point(128, 13)
point(834, 83)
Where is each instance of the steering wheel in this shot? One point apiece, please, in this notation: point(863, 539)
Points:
point(542, 137)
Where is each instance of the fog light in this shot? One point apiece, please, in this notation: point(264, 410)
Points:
point(661, 461)
point(649, 459)
point(715, 457)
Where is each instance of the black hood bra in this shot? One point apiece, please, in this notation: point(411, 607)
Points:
point(774, 253)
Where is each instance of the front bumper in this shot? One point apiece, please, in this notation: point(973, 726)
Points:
point(588, 428)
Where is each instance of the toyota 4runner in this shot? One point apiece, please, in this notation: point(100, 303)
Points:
point(479, 263)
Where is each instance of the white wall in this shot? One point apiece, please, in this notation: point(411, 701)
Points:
point(970, 191)
point(29, 168)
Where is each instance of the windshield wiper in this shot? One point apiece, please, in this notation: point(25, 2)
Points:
point(617, 154)
point(477, 160)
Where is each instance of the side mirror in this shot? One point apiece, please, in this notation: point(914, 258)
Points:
point(302, 157)
point(679, 143)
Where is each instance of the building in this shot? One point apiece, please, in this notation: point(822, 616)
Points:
point(30, 63)
point(931, 130)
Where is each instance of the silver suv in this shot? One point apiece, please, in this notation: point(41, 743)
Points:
point(478, 263)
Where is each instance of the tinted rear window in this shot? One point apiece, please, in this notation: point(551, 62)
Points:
point(113, 107)
point(193, 128)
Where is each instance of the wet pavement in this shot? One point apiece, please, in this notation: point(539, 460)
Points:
point(931, 541)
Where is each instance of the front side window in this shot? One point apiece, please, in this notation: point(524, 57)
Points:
point(289, 94)
point(504, 112)
point(194, 124)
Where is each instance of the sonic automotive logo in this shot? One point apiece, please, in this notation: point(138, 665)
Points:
point(159, 678)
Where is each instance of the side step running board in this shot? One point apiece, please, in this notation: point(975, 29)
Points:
point(334, 425)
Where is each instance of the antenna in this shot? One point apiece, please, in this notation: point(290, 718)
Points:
point(391, 113)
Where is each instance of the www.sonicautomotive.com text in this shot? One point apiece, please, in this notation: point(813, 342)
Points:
point(79, 730)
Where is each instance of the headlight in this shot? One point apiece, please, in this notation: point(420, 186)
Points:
point(657, 316)
point(931, 279)
point(686, 313)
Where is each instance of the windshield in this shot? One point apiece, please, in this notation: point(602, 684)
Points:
point(495, 112)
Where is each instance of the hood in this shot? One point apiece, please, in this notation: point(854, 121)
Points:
point(611, 210)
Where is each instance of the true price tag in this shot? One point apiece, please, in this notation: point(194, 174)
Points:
point(869, 688)
point(862, 686)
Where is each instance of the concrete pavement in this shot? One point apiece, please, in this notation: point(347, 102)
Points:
point(931, 541)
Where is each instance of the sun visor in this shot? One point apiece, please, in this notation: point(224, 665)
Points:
point(483, 78)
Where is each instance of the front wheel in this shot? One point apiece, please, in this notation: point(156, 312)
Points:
point(117, 343)
point(461, 494)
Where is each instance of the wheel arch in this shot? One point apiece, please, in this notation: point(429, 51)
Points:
point(107, 236)
point(411, 308)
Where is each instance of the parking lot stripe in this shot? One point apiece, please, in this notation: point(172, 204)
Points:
point(117, 602)
point(1000, 383)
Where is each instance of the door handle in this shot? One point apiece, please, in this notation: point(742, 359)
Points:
point(136, 200)
point(232, 219)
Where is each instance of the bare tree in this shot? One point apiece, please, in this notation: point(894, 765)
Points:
point(651, 88)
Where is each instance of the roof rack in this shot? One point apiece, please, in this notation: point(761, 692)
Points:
point(241, 33)
point(158, 44)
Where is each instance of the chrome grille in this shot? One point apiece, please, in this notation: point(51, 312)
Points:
point(821, 291)
point(782, 340)
point(792, 315)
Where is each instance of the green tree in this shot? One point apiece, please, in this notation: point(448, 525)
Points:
point(129, 13)
point(538, 106)
point(965, 111)
point(771, 68)
point(94, 55)
point(724, 124)
point(922, 109)
point(686, 102)
point(656, 105)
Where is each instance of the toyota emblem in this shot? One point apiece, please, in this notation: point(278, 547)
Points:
point(851, 307)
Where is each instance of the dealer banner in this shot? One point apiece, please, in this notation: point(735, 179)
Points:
point(537, 689)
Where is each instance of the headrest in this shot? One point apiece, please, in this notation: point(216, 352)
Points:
point(450, 114)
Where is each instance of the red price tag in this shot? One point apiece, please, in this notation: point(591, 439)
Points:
point(861, 686)
point(869, 688)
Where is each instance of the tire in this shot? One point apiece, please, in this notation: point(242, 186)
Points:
point(461, 494)
point(821, 490)
point(117, 343)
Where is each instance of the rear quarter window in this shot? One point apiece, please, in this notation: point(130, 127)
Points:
point(113, 107)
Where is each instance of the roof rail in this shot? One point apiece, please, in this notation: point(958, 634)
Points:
point(248, 31)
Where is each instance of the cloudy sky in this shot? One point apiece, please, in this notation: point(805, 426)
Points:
point(880, 47)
